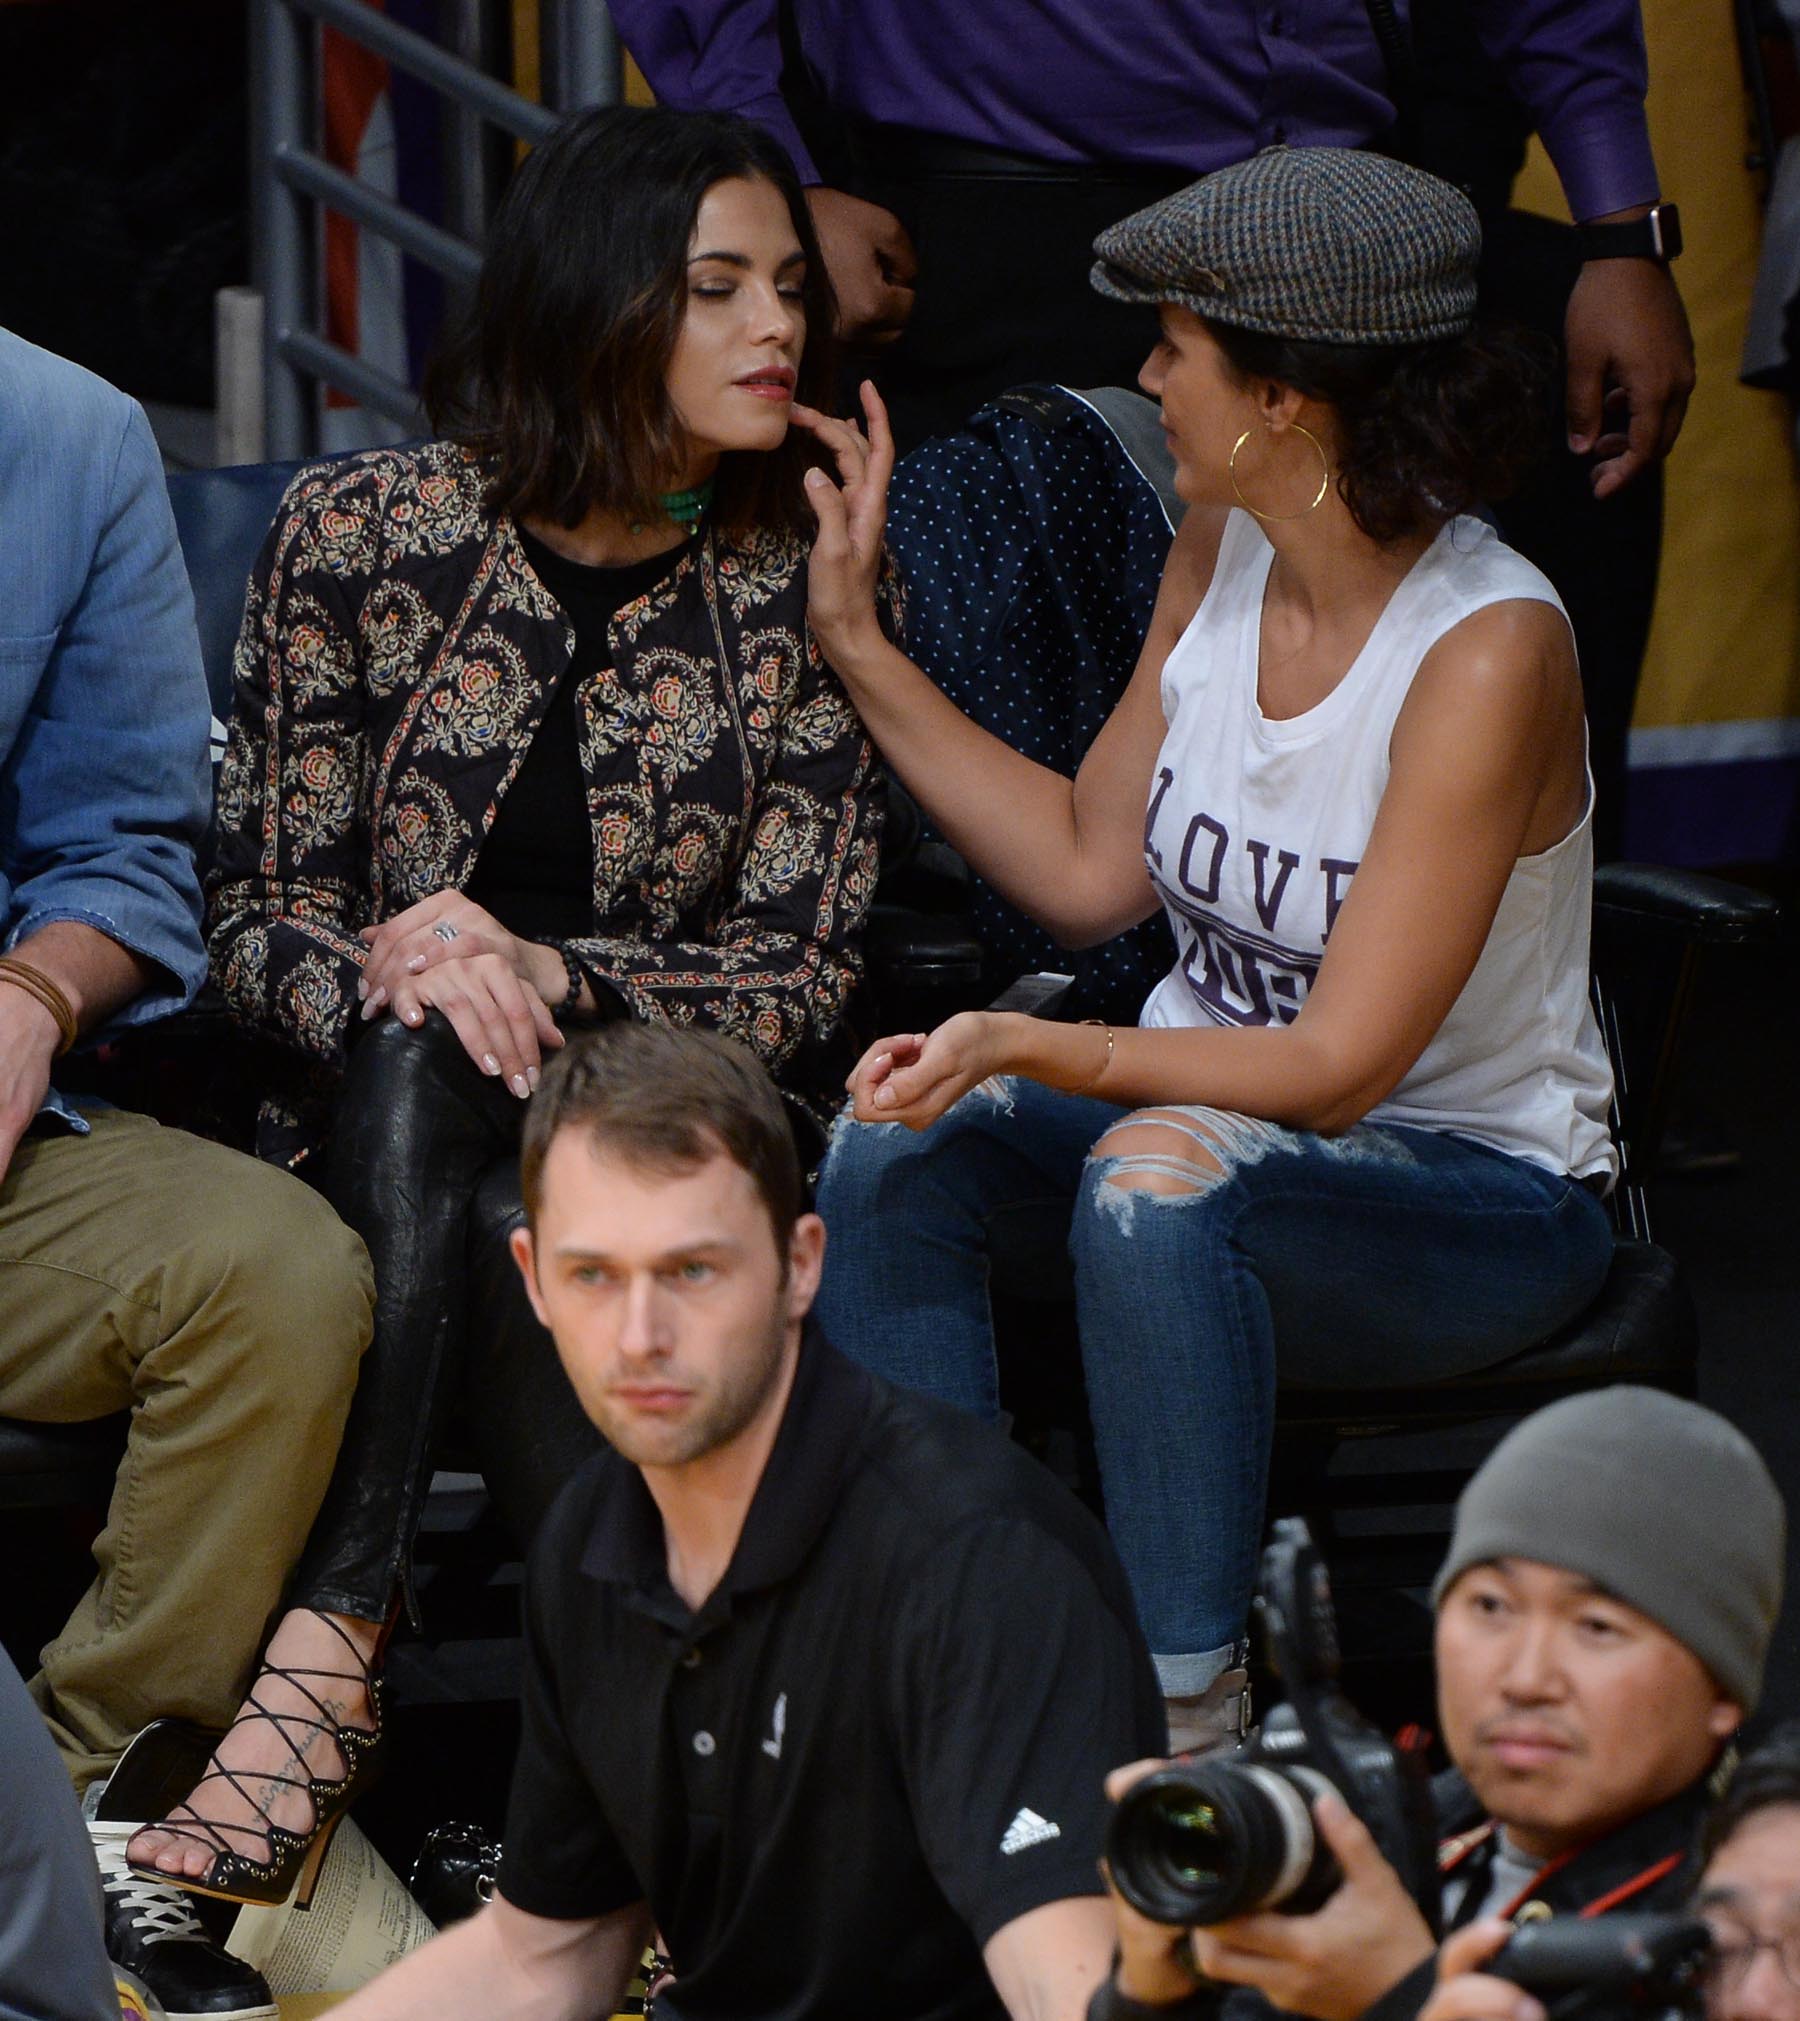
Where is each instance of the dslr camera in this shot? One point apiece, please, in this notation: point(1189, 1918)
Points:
point(1649, 1966)
point(1198, 1842)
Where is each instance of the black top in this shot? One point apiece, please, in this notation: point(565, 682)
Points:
point(535, 870)
point(880, 1740)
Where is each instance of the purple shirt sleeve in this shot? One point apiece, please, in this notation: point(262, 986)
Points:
point(714, 56)
point(1579, 68)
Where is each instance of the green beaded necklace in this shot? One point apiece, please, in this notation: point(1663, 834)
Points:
point(687, 508)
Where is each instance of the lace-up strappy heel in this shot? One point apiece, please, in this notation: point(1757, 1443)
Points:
point(292, 1868)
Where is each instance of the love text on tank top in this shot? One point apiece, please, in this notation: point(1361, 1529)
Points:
point(1237, 974)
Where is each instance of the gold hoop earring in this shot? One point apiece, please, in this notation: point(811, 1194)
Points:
point(1277, 517)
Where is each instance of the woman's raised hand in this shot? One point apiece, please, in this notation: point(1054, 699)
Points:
point(915, 1077)
point(852, 515)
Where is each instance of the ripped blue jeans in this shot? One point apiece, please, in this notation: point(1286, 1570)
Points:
point(1209, 1251)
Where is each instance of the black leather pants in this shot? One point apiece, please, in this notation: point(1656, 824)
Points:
point(424, 1166)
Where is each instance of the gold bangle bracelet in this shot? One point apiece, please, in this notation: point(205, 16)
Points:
point(35, 983)
point(1099, 1073)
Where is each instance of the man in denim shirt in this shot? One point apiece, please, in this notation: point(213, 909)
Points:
point(217, 1299)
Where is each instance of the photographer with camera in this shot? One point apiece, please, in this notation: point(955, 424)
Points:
point(1748, 1900)
point(1603, 1616)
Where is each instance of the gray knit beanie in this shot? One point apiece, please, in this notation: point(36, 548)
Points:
point(1657, 1500)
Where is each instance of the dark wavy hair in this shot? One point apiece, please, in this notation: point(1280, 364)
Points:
point(1768, 1776)
point(556, 371)
point(1425, 430)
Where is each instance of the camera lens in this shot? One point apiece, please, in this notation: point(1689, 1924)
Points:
point(1196, 1844)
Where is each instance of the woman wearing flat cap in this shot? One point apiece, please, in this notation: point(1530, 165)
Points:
point(1359, 1131)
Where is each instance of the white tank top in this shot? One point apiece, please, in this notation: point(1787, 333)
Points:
point(1255, 829)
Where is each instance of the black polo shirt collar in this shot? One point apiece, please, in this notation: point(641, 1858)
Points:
point(813, 1453)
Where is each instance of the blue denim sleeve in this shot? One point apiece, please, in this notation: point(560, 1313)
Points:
point(106, 786)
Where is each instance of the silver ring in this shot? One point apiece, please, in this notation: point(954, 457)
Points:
point(444, 930)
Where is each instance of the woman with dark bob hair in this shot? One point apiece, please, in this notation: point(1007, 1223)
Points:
point(530, 728)
point(1359, 1134)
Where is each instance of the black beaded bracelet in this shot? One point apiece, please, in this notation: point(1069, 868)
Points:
point(577, 977)
point(1109, 2004)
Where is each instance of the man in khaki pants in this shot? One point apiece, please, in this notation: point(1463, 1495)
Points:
point(217, 1299)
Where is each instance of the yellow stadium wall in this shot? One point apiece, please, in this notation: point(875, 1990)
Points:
point(1721, 680)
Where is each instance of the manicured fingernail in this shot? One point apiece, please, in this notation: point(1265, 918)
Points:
point(414, 966)
point(489, 1065)
point(532, 1076)
point(1581, 444)
point(884, 1098)
point(362, 985)
point(412, 1017)
point(815, 477)
point(520, 1087)
point(381, 995)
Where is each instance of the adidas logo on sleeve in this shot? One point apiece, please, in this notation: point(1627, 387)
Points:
point(1028, 1829)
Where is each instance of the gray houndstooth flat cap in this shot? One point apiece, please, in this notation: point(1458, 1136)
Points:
point(1322, 245)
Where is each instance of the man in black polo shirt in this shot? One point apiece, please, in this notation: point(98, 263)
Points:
point(823, 1678)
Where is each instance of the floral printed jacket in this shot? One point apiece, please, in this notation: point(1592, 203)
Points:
point(396, 655)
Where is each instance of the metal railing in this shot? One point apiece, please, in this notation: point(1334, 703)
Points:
point(292, 184)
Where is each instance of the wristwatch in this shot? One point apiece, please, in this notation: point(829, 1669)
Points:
point(1655, 236)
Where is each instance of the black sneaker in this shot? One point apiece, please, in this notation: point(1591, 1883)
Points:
point(152, 1930)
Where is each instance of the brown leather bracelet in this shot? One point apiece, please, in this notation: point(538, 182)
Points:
point(35, 983)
